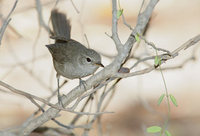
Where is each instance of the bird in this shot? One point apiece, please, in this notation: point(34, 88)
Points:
point(71, 59)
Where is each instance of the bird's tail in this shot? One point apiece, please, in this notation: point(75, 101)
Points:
point(61, 26)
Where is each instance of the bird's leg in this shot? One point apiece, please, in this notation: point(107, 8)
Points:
point(59, 96)
point(82, 82)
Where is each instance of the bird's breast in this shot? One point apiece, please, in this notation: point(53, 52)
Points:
point(72, 71)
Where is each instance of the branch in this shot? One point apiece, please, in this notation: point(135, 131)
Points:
point(174, 53)
point(32, 97)
point(115, 36)
point(89, 93)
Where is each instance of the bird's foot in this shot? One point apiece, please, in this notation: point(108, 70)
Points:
point(82, 83)
point(60, 101)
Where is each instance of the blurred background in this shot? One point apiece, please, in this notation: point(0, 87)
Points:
point(26, 64)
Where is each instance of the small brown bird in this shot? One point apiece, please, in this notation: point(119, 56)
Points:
point(71, 59)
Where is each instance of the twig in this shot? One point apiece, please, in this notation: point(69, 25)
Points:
point(40, 17)
point(103, 96)
point(142, 60)
point(153, 46)
point(113, 87)
point(125, 23)
point(78, 115)
point(52, 95)
point(108, 35)
point(188, 44)
point(77, 11)
point(11, 27)
point(31, 97)
point(123, 18)
point(6, 22)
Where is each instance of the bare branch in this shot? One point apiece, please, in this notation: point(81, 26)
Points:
point(188, 44)
point(89, 93)
point(174, 53)
point(114, 26)
point(32, 97)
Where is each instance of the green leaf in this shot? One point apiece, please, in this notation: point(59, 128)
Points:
point(167, 133)
point(173, 99)
point(154, 129)
point(160, 99)
point(119, 13)
point(137, 37)
point(157, 60)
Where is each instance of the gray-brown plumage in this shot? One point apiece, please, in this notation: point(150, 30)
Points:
point(70, 58)
point(61, 25)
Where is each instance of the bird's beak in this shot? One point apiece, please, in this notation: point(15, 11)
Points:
point(99, 64)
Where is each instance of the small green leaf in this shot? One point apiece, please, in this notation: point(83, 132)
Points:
point(173, 99)
point(119, 13)
point(157, 60)
point(160, 99)
point(154, 129)
point(167, 133)
point(137, 37)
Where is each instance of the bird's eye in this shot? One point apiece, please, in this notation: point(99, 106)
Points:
point(88, 59)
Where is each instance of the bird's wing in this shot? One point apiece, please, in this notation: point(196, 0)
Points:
point(60, 52)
